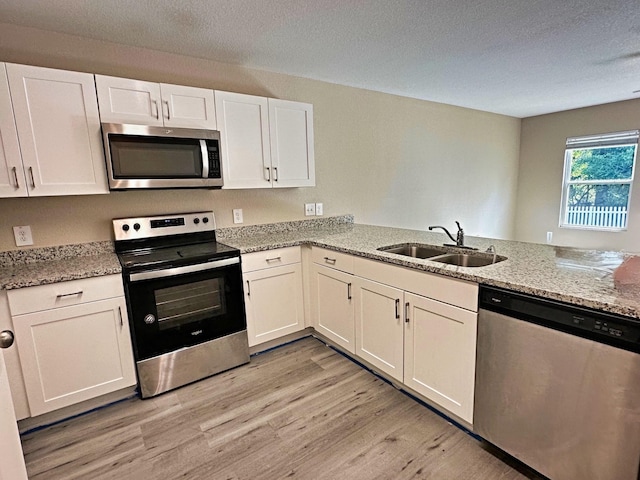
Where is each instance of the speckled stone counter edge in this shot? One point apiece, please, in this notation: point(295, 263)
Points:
point(61, 252)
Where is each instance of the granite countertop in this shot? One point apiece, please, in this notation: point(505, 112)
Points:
point(40, 266)
point(579, 277)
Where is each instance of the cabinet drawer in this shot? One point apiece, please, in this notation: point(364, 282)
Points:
point(62, 294)
point(330, 258)
point(270, 258)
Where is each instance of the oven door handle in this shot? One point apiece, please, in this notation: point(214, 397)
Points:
point(170, 272)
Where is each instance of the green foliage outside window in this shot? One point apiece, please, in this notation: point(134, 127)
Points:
point(598, 164)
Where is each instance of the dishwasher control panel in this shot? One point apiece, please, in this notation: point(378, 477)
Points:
point(600, 326)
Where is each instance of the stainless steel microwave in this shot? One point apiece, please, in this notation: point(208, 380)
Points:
point(139, 156)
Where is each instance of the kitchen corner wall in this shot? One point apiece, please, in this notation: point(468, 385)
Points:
point(543, 140)
point(389, 160)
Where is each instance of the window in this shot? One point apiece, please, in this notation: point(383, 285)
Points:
point(598, 173)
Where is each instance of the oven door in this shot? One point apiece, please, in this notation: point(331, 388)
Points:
point(183, 306)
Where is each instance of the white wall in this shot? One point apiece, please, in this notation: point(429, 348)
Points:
point(389, 160)
point(540, 176)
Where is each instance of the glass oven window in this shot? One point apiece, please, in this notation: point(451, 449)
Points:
point(191, 302)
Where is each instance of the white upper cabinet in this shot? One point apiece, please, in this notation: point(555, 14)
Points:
point(243, 121)
point(123, 100)
point(291, 135)
point(56, 116)
point(266, 142)
point(12, 180)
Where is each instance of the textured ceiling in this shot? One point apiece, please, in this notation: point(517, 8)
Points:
point(515, 57)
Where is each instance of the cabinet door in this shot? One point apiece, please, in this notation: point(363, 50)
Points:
point(379, 326)
point(274, 305)
point(243, 121)
point(187, 107)
point(332, 307)
point(440, 354)
point(56, 114)
point(123, 100)
point(291, 137)
point(72, 354)
point(12, 182)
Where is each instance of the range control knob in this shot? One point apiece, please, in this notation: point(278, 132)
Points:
point(196, 220)
point(136, 226)
point(149, 319)
point(125, 227)
point(205, 219)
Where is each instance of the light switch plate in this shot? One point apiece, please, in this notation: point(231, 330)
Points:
point(309, 209)
point(23, 235)
point(237, 215)
point(319, 209)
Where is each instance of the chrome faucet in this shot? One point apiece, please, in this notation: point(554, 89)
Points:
point(459, 240)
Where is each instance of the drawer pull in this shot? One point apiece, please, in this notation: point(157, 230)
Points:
point(348, 291)
point(62, 295)
point(248, 289)
point(406, 312)
point(331, 261)
point(397, 308)
point(274, 259)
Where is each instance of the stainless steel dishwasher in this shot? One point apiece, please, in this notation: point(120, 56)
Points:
point(558, 386)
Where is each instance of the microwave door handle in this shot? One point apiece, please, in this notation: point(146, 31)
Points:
point(205, 158)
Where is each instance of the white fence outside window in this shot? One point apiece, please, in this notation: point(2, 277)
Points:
point(594, 216)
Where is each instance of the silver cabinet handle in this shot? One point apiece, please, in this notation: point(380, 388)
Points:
point(275, 174)
point(33, 182)
point(331, 261)
point(274, 259)
point(120, 315)
point(268, 169)
point(15, 176)
point(406, 312)
point(248, 289)
point(166, 103)
point(154, 103)
point(6, 338)
point(62, 295)
point(348, 291)
point(397, 308)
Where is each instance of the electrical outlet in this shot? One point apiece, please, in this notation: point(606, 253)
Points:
point(549, 237)
point(237, 215)
point(319, 209)
point(309, 209)
point(23, 235)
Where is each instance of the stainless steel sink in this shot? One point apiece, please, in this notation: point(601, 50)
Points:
point(443, 255)
point(468, 259)
point(415, 250)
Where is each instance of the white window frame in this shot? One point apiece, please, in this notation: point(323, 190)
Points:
point(616, 139)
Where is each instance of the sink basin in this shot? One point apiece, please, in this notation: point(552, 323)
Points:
point(414, 250)
point(443, 255)
point(468, 260)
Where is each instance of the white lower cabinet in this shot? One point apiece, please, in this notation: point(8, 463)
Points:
point(273, 294)
point(379, 326)
point(440, 353)
point(77, 351)
point(332, 305)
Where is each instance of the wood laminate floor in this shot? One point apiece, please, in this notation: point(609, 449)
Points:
point(300, 411)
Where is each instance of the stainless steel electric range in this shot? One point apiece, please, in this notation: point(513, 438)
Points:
point(184, 298)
